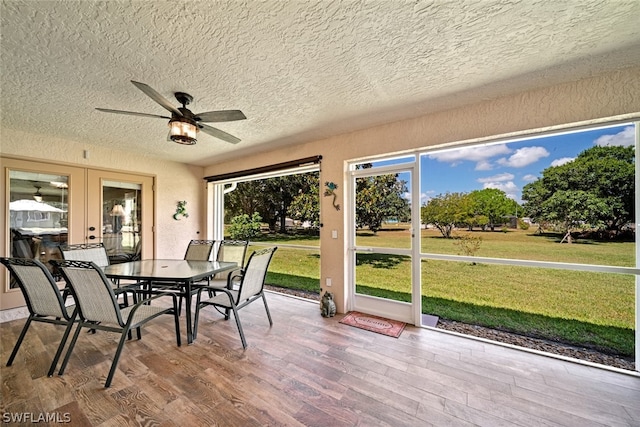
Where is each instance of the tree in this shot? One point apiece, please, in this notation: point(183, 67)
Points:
point(491, 204)
point(378, 198)
point(596, 189)
point(305, 205)
point(272, 199)
point(445, 211)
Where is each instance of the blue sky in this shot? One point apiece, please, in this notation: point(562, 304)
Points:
point(509, 166)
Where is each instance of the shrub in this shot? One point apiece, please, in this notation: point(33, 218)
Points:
point(245, 227)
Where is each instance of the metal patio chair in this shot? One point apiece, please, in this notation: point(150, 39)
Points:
point(251, 288)
point(98, 307)
point(45, 301)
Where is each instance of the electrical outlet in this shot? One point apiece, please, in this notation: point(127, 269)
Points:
point(328, 281)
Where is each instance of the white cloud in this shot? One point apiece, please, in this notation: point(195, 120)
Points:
point(474, 154)
point(524, 156)
point(497, 178)
point(529, 177)
point(626, 138)
point(562, 161)
point(509, 187)
point(484, 165)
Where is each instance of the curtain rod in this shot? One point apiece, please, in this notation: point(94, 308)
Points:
point(264, 169)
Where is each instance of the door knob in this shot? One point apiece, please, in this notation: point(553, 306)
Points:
point(92, 229)
point(92, 237)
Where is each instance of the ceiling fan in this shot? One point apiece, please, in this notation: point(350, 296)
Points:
point(183, 124)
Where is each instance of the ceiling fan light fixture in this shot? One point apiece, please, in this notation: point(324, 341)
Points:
point(182, 131)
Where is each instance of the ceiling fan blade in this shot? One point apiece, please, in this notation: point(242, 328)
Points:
point(131, 113)
point(218, 133)
point(220, 116)
point(153, 94)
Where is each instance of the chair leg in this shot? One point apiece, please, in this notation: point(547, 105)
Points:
point(235, 315)
point(266, 307)
point(197, 318)
point(76, 334)
point(177, 320)
point(116, 358)
point(19, 342)
point(63, 341)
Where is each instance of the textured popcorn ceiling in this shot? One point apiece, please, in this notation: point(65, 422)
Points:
point(299, 70)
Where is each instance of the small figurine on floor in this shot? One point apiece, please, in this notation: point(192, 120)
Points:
point(328, 307)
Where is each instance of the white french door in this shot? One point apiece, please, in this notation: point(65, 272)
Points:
point(383, 279)
point(47, 205)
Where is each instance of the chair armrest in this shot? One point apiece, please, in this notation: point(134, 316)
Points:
point(237, 273)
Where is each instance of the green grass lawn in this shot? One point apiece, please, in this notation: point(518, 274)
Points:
point(583, 308)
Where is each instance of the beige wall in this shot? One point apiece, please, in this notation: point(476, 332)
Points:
point(582, 102)
point(174, 181)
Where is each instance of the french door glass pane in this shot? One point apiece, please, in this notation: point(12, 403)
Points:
point(38, 214)
point(121, 217)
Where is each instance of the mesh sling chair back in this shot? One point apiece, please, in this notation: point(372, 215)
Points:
point(96, 253)
point(44, 301)
point(197, 250)
point(229, 251)
point(251, 288)
point(98, 307)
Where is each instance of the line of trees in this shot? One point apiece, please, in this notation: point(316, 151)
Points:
point(595, 191)
point(485, 208)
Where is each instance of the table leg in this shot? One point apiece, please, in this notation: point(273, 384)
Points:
point(187, 302)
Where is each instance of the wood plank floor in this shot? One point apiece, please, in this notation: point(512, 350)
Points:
point(306, 371)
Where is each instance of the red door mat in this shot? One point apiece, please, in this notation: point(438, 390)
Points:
point(392, 328)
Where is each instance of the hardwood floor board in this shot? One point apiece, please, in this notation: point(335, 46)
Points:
point(312, 416)
point(370, 356)
point(509, 413)
point(553, 415)
point(353, 362)
point(613, 394)
point(270, 392)
point(403, 352)
point(436, 385)
point(452, 380)
point(96, 402)
point(472, 367)
point(16, 385)
point(439, 418)
point(591, 409)
point(478, 417)
point(318, 367)
point(503, 366)
point(407, 390)
point(374, 390)
point(482, 383)
point(138, 406)
point(322, 385)
point(53, 392)
point(308, 370)
point(74, 413)
point(381, 411)
point(186, 413)
point(312, 397)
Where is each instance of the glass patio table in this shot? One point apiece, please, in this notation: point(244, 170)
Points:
point(181, 273)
